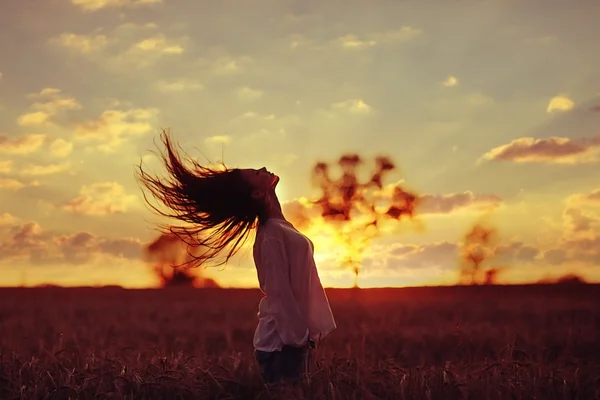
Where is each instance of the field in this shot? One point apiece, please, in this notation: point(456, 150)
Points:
point(536, 342)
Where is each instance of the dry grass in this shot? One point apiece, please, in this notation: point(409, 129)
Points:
point(445, 343)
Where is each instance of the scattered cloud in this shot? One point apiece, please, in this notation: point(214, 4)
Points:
point(179, 85)
point(399, 257)
point(45, 169)
point(401, 35)
point(83, 44)
point(355, 42)
point(354, 106)
point(552, 150)
point(6, 166)
point(28, 242)
point(218, 139)
point(560, 103)
point(451, 81)
point(252, 114)
point(60, 148)
point(11, 184)
point(112, 128)
point(158, 44)
point(246, 93)
point(445, 204)
point(50, 105)
point(592, 198)
point(104, 198)
point(8, 219)
point(227, 65)
point(26, 144)
point(127, 47)
point(95, 5)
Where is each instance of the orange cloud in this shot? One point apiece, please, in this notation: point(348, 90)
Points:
point(51, 105)
point(95, 5)
point(6, 166)
point(28, 242)
point(444, 204)
point(45, 169)
point(353, 106)
point(84, 44)
point(11, 184)
point(557, 150)
point(26, 144)
point(8, 219)
point(560, 103)
point(103, 198)
point(112, 127)
point(61, 148)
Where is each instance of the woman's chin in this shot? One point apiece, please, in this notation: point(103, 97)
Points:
point(274, 181)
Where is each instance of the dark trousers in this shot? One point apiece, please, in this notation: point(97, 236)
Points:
point(288, 364)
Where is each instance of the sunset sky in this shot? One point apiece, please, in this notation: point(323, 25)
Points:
point(488, 107)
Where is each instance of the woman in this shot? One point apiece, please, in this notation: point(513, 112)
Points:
point(224, 206)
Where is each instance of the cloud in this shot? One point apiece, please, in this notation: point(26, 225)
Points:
point(179, 85)
point(218, 139)
point(516, 254)
point(51, 104)
point(157, 44)
point(113, 127)
point(60, 148)
point(105, 198)
point(6, 166)
point(127, 48)
point(28, 242)
point(580, 217)
point(448, 203)
point(95, 5)
point(578, 222)
point(8, 219)
point(401, 35)
point(26, 144)
point(248, 94)
point(354, 42)
point(353, 106)
point(45, 169)
point(451, 81)
point(252, 114)
point(560, 103)
point(592, 198)
point(398, 257)
point(552, 150)
point(227, 65)
point(11, 184)
point(83, 44)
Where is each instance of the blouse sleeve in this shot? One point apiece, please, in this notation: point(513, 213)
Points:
point(291, 324)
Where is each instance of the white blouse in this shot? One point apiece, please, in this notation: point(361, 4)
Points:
point(295, 306)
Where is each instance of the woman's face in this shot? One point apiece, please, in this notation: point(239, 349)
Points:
point(261, 180)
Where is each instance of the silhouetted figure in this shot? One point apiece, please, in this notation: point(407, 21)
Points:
point(221, 207)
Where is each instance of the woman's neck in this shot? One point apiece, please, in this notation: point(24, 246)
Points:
point(274, 210)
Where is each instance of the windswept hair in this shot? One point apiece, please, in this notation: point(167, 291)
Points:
point(216, 203)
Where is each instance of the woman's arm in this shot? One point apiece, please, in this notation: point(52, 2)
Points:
point(291, 324)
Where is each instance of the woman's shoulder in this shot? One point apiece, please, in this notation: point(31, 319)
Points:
point(274, 228)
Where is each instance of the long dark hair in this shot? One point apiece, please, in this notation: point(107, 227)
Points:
point(216, 203)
